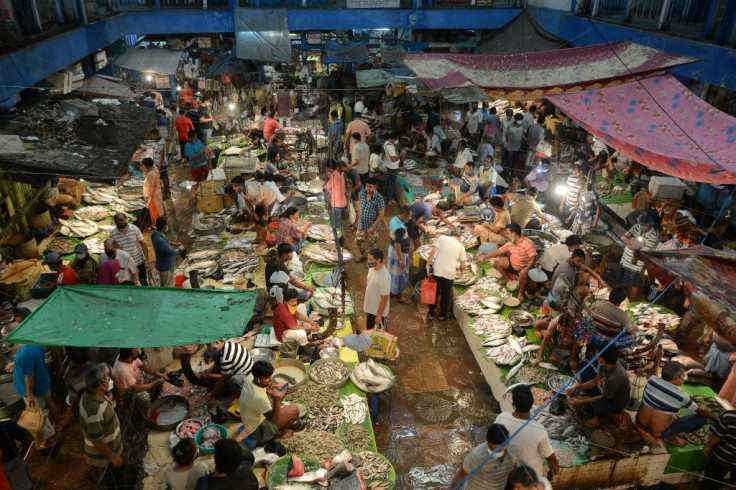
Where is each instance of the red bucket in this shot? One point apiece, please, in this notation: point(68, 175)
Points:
point(180, 280)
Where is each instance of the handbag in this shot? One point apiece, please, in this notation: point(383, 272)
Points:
point(36, 422)
point(429, 291)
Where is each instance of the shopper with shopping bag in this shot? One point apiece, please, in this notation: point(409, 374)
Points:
point(447, 252)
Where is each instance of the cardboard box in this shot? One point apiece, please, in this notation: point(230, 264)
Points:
point(209, 203)
point(666, 187)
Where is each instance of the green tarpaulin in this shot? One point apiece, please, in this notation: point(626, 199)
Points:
point(134, 316)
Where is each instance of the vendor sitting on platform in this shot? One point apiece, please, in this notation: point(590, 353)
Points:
point(288, 323)
point(557, 254)
point(607, 393)
point(525, 207)
point(261, 411)
point(608, 320)
point(577, 274)
point(285, 253)
point(467, 192)
point(128, 373)
point(558, 334)
point(494, 232)
point(234, 363)
point(662, 400)
point(56, 201)
point(516, 257)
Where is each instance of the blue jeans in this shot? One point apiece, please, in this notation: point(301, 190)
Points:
point(684, 425)
point(604, 407)
point(390, 184)
point(336, 217)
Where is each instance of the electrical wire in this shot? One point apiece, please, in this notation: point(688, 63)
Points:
point(588, 365)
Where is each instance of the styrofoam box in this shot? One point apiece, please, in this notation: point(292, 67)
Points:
point(666, 187)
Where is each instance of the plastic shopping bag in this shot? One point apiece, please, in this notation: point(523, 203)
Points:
point(429, 291)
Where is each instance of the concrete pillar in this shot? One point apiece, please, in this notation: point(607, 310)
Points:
point(596, 7)
point(627, 12)
point(664, 16)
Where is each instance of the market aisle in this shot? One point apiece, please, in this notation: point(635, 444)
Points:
point(440, 403)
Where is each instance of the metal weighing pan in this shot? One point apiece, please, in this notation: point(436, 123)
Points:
point(166, 400)
point(290, 370)
point(338, 384)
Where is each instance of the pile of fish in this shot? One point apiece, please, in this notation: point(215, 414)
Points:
point(356, 438)
point(233, 269)
point(424, 251)
point(189, 428)
point(210, 225)
point(609, 188)
point(205, 267)
point(62, 245)
point(329, 372)
point(210, 436)
point(310, 394)
point(321, 233)
point(354, 408)
point(468, 239)
point(204, 254)
point(238, 243)
point(96, 244)
point(374, 466)
point(317, 444)
point(325, 418)
point(491, 325)
point(330, 297)
point(80, 228)
point(559, 427)
point(485, 289)
point(326, 254)
point(109, 195)
point(94, 213)
point(530, 375)
point(699, 437)
point(469, 276)
point(709, 404)
point(503, 353)
point(373, 376)
point(653, 316)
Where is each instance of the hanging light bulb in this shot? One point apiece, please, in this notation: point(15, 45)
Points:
point(178, 88)
point(149, 77)
point(231, 106)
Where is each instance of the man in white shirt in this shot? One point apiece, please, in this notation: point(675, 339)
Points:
point(447, 252)
point(128, 273)
point(391, 158)
point(274, 184)
point(475, 118)
point(529, 116)
point(359, 106)
point(360, 156)
point(463, 157)
point(557, 254)
point(531, 445)
point(377, 291)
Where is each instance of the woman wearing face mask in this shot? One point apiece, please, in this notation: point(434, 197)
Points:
point(286, 320)
point(398, 254)
point(493, 474)
point(84, 265)
point(152, 189)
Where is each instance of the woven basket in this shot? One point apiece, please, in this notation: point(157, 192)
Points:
point(19, 277)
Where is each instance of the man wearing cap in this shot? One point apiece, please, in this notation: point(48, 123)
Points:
point(517, 256)
point(557, 254)
point(65, 275)
point(447, 252)
point(494, 232)
point(641, 237)
point(84, 266)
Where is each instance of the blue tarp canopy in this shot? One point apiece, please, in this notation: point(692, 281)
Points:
point(336, 52)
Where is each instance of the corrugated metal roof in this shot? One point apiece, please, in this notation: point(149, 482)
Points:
point(161, 61)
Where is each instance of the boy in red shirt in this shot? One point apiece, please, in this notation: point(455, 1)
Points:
point(65, 275)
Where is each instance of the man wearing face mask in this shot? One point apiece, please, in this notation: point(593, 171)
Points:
point(286, 320)
point(398, 254)
point(531, 445)
point(128, 372)
point(166, 253)
point(467, 192)
point(377, 291)
point(116, 266)
point(103, 443)
point(84, 266)
point(516, 257)
point(235, 364)
point(641, 237)
point(493, 475)
point(130, 239)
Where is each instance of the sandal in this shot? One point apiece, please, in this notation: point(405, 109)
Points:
point(403, 300)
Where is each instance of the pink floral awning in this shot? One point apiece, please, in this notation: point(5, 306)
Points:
point(661, 124)
point(525, 76)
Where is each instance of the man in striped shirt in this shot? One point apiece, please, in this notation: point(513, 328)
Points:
point(494, 474)
point(100, 426)
point(662, 400)
point(575, 182)
point(516, 257)
point(721, 451)
point(130, 239)
point(235, 365)
point(639, 238)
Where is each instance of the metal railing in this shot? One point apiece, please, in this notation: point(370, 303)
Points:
point(686, 13)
